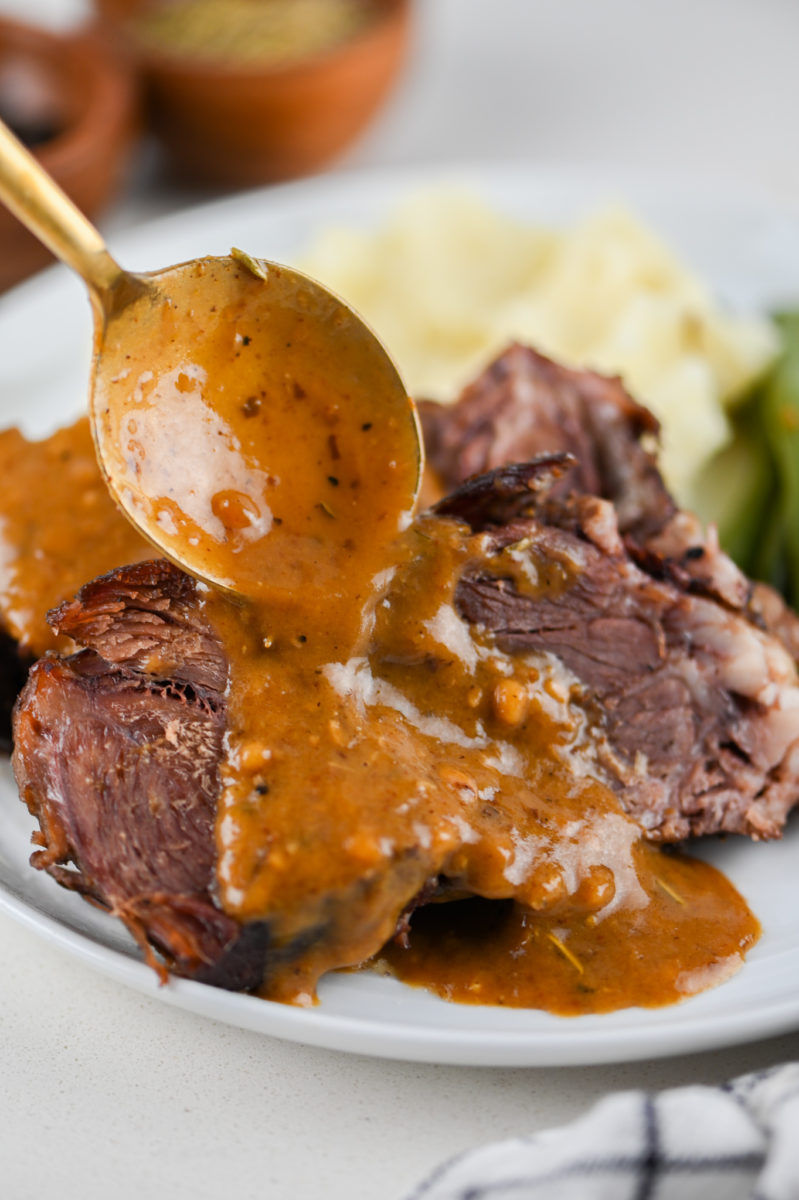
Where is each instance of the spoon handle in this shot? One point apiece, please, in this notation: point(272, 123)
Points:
point(37, 200)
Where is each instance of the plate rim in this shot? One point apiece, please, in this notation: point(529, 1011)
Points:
point(359, 1035)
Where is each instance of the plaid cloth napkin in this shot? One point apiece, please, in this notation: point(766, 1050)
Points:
point(737, 1142)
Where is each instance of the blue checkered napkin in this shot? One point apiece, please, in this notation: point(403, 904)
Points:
point(738, 1142)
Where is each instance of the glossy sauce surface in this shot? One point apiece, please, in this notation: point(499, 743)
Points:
point(691, 934)
point(58, 528)
point(422, 758)
point(239, 426)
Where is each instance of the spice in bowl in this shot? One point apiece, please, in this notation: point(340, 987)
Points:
point(273, 32)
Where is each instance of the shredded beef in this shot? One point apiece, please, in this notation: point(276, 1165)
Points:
point(524, 405)
point(117, 752)
point(695, 708)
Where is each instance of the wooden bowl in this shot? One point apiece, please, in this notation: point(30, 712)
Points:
point(81, 106)
point(241, 124)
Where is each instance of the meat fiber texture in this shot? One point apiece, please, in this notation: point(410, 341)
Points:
point(117, 753)
point(685, 671)
point(691, 665)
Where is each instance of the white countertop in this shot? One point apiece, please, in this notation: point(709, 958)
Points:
point(106, 1093)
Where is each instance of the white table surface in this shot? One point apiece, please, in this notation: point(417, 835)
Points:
point(105, 1093)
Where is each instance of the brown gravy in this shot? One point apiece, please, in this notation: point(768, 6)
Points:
point(692, 933)
point(237, 415)
point(58, 528)
point(354, 778)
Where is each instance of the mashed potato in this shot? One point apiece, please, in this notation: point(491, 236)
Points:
point(447, 282)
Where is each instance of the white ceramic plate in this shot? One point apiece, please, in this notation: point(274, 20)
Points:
point(751, 256)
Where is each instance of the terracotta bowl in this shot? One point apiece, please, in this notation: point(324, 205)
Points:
point(77, 111)
point(236, 125)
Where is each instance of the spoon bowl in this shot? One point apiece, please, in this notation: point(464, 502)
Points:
point(254, 429)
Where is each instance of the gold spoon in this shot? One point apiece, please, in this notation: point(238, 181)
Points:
point(246, 420)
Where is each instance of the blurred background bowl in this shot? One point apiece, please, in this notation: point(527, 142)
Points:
point(236, 123)
point(75, 108)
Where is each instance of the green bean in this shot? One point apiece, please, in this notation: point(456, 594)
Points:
point(768, 560)
point(738, 489)
point(780, 422)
